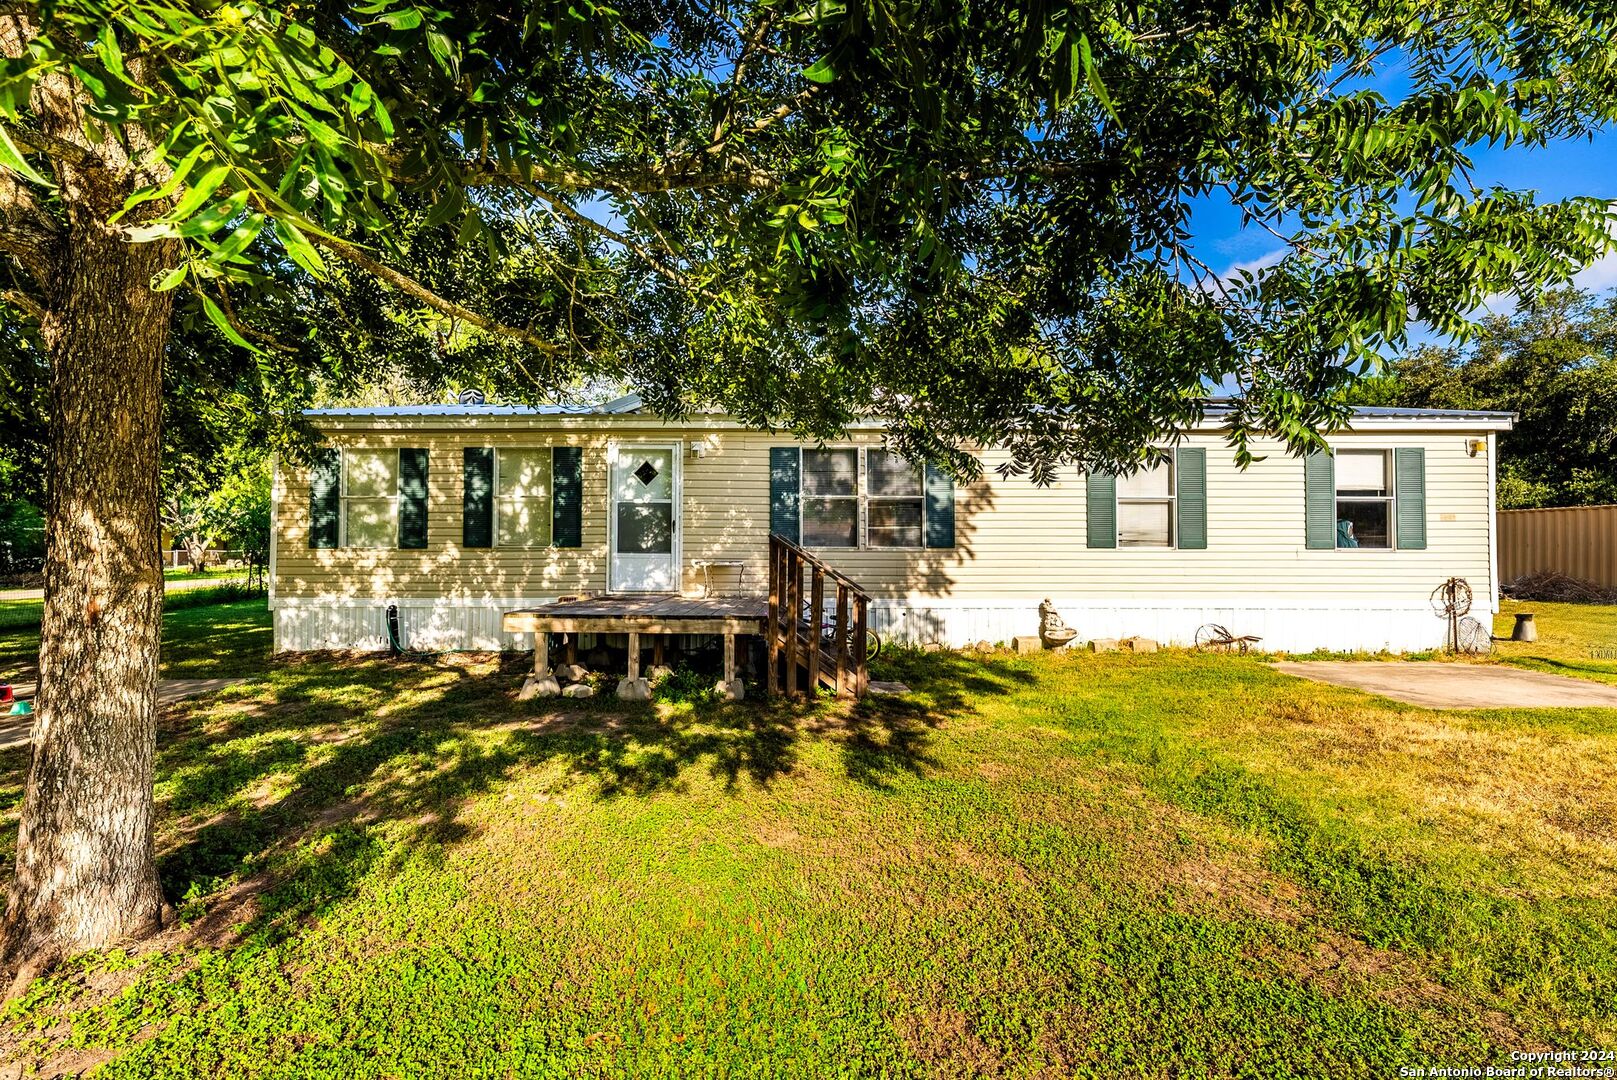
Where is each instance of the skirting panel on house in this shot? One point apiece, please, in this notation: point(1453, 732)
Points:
point(460, 624)
point(1282, 627)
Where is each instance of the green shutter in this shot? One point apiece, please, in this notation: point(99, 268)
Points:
point(477, 497)
point(785, 465)
point(1319, 499)
point(325, 497)
point(1101, 513)
point(1190, 472)
point(412, 498)
point(1409, 496)
point(567, 496)
point(939, 508)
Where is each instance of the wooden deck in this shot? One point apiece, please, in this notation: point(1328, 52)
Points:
point(634, 615)
point(618, 614)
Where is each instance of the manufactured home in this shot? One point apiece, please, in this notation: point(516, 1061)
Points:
point(455, 515)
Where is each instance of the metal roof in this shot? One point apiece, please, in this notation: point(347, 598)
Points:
point(631, 403)
point(625, 404)
point(1220, 406)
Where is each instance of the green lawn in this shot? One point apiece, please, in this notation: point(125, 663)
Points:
point(1573, 639)
point(1065, 865)
point(207, 633)
point(185, 573)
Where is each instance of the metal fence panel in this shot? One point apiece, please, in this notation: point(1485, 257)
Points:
point(1578, 541)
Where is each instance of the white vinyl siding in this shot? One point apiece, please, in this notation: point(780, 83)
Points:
point(1013, 538)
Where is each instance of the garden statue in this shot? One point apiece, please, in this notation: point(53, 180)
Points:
point(1053, 630)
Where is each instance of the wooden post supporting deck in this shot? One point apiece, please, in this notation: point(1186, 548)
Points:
point(816, 609)
point(634, 655)
point(776, 557)
point(843, 689)
point(729, 658)
point(541, 654)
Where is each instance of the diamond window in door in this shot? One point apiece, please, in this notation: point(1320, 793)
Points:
point(646, 473)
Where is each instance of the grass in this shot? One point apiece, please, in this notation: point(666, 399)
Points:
point(1106, 865)
point(185, 573)
point(207, 633)
point(1573, 639)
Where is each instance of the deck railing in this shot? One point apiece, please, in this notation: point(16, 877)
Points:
point(799, 635)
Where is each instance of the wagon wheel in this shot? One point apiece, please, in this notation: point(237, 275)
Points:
point(1214, 636)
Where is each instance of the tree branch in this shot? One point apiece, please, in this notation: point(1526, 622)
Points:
point(412, 288)
point(685, 174)
point(26, 232)
point(675, 276)
point(24, 303)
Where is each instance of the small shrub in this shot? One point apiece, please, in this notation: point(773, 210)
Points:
point(687, 685)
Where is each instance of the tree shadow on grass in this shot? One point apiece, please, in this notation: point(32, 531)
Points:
point(278, 796)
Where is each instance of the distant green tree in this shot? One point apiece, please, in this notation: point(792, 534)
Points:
point(1554, 364)
point(22, 536)
point(238, 511)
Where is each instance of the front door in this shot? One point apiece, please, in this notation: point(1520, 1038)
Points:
point(644, 519)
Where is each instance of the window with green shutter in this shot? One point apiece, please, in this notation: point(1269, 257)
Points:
point(567, 500)
point(1100, 512)
point(325, 498)
point(1366, 499)
point(853, 497)
point(413, 467)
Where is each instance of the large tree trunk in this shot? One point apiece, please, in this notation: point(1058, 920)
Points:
point(85, 872)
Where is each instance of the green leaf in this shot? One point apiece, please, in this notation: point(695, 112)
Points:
point(408, 19)
point(1092, 73)
point(172, 278)
point(217, 317)
point(193, 199)
point(11, 158)
point(215, 217)
point(298, 247)
point(821, 72)
point(239, 238)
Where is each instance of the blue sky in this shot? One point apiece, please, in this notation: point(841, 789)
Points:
point(1556, 171)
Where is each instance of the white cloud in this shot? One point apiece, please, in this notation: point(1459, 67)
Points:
point(1253, 266)
point(1599, 275)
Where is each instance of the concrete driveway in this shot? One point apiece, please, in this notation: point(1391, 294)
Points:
point(1458, 686)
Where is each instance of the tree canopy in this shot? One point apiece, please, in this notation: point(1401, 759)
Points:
point(969, 217)
point(1552, 362)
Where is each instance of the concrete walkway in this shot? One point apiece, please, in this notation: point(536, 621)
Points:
point(1459, 686)
point(14, 729)
point(170, 585)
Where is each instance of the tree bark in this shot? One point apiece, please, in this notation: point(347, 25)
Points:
point(86, 876)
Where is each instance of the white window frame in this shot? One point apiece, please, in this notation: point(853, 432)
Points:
point(1389, 467)
point(549, 500)
point(857, 498)
point(866, 498)
point(1171, 499)
point(861, 499)
point(343, 496)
